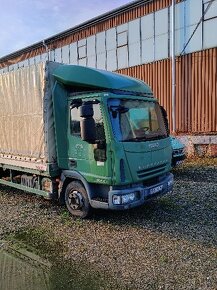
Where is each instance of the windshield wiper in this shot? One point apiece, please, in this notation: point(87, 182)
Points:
point(145, 138)
point(151, 138)
point(157, 137)
point(136, 139)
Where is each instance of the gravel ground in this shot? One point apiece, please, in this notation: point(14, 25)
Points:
point(169, 243)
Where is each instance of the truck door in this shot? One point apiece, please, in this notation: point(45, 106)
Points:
point(88, 159)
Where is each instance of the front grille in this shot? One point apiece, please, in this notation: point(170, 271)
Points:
point(150, 171)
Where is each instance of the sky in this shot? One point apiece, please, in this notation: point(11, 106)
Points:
point(24, 22)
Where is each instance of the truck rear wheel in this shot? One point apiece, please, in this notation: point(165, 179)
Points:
point(77, 200)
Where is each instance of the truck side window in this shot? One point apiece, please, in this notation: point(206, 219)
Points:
point(75, 128)
point(75, 122)
point(100, 133)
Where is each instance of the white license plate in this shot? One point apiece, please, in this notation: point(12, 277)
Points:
point(156, 189)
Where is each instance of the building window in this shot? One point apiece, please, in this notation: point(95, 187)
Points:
point(212, 11)
point(122, 46)
point(122, 38)
point(82, 52)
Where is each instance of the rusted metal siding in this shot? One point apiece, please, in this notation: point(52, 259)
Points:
point(196, 89)
point(196, 92)
point(146, 8)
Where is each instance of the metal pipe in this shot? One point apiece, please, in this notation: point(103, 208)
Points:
point(173, 58)
point(47, 49)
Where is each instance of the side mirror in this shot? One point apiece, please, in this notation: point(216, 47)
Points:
point(118, 109)
point(88, 126)
point(164, 113)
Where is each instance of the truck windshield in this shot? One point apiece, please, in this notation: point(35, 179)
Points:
point(136, 120)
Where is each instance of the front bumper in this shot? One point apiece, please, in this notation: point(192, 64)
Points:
point(143, 193)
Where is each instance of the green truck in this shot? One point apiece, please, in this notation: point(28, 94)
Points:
point(86, 137)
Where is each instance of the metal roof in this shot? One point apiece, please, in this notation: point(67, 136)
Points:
point(77, 28)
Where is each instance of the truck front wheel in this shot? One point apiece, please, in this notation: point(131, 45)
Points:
point(77, 200)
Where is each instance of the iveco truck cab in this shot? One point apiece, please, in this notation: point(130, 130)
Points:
point(112, 142)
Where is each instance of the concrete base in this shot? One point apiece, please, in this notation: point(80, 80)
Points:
point(199, 146)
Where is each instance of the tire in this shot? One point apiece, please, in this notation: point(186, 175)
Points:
point(77, 200)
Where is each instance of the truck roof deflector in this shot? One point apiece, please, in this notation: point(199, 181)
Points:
point(80, 76)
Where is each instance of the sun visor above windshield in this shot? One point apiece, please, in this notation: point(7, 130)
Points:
point(79, 76)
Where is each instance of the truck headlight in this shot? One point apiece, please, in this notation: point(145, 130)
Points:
point(170, 182)
point(116, 199)
point(128, 197)
point(125, 198)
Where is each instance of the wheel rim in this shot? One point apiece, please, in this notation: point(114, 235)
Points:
point(75, 200)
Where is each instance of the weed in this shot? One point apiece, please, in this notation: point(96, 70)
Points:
point(66, 218)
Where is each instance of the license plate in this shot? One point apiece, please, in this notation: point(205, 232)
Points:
point(156, 189)
point(179, 162)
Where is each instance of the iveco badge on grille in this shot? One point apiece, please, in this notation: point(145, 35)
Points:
point(153, 145)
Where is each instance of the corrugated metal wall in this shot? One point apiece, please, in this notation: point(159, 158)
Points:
point(196, 89)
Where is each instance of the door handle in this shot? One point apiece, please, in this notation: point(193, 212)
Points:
point(72, 162)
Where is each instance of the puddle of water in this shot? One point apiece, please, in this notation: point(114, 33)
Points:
point(22, 270)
